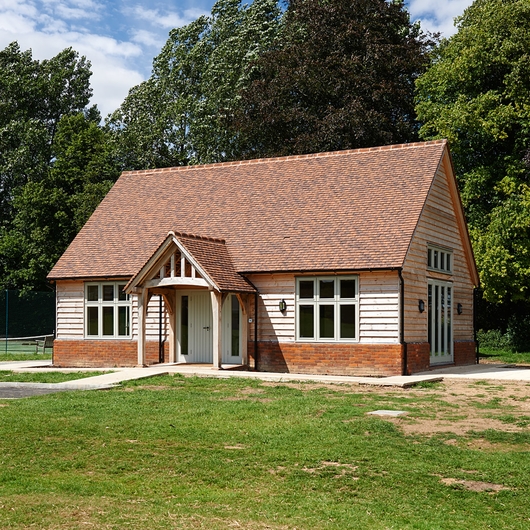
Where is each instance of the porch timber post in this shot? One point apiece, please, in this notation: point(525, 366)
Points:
point(217, 303)
point(244, 328)
point(143, 300)
point(170, 300)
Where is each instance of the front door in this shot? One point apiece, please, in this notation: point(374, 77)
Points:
point(440, 326)
point(195, 328)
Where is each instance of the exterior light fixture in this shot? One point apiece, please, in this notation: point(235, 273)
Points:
point(282, 305)
point(459, 309)
point(421, 306)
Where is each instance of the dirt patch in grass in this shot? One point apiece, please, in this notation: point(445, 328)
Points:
point(471, 406)
point(473, 485)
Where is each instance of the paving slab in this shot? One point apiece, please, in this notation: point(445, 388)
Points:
point(115, 376)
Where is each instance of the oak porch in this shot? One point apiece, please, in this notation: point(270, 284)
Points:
point(175, 266)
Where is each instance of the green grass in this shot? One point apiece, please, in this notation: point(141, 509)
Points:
point(190, 453)
point(44, 377)
point(504, 356)
point(9, 357)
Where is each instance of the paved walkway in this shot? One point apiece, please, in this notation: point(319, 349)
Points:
point(109, 380)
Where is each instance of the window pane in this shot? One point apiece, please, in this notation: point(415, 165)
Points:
point(235, 326)
point(121, 293)
point(307, 325)
point(435, 259)
point(108, 320)
point(347, 289)
point(429, 258)
point(92, 320)
point(108, 293)
point(307, 289)
point(327, 288)
point(327, 321)
point(442, 260)
point(92, 293)
point(448, 262)
point(123, 320)
point(347, 321)
point(184, 326)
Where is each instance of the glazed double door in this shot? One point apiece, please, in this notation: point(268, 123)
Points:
point(440, 325)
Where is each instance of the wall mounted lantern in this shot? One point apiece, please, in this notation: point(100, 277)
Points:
point(282, 305)
point(459, 309)
point(421, 306)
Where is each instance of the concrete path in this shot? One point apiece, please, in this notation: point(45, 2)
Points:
point(118, 375)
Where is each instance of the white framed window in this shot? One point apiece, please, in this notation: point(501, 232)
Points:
point(327, 308)
point(439, 259)
point(107, 310)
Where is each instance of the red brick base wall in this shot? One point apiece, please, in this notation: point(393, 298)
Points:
point(103, 353)
point(465, 352)
point(337, 359)
point(418, 357)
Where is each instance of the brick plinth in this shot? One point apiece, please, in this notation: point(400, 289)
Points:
point(103, 353)
point(337, 359)
point(465, 352)
point(418, 357)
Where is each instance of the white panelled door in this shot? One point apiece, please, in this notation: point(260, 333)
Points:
point(440, 326)
point(195, 328)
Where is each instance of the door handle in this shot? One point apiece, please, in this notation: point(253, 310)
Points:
point(207, 328)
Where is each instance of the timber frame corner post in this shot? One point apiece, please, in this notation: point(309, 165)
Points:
point(144, 296)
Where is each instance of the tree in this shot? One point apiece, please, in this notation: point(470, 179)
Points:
point(476, 93)
point(50, 211)
point(179, 116)
point(341, 76)
point(33, 98)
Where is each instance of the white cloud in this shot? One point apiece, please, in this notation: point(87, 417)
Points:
point(167, 20)
point(438, 16)
point(147, 38)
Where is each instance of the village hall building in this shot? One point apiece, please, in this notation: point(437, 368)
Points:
point(354, 262)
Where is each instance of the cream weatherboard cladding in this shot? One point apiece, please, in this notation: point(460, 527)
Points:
point(438, 225)
point(378, 307)
point(70, 313)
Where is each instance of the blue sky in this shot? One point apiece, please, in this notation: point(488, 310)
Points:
point(121, 38)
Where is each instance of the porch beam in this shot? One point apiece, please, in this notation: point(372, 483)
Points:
point(165, 282)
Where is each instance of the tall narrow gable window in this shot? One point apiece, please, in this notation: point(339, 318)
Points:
point(439, 259)
point(107, 311)
point(327, 308)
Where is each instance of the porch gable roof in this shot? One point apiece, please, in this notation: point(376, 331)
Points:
point(208, 256)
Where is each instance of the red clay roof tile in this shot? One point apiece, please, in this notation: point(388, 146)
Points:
point(346, 210)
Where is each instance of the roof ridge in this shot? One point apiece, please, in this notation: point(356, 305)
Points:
point(179, 235)
point(253, 161)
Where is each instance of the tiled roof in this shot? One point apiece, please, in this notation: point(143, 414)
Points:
point(212, 255)
point(346, 210)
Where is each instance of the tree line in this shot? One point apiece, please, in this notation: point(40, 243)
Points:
point(259, 80)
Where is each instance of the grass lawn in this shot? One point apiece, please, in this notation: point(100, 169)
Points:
point(188, 453)
point(44, 377)
point(502, 356)
point(23, 356)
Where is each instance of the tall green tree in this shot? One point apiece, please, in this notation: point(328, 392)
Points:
point(476, 93)
point(34, 96)
point(341, 76)
point(179, 116)
point(56, 162)
point(49, 212)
